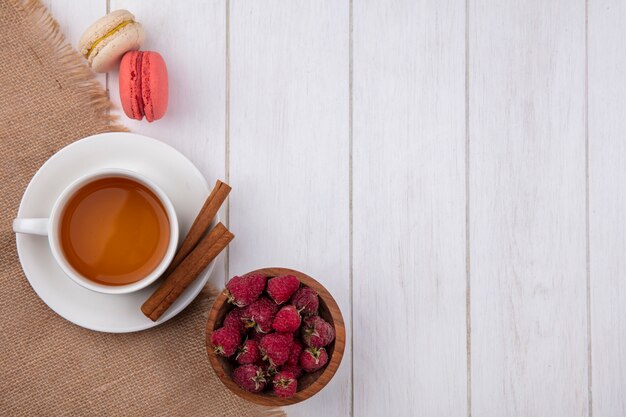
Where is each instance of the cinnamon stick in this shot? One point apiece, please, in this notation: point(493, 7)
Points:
point(187, 271)
point(200, 225)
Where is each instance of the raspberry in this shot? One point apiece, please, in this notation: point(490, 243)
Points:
point(242, 291)
point(281, 288)
point(313, 359)
point(249, 377)
point(305, 300)
point(233, 320)
point(285, 384)
point(296, 370)
point(317, 332)
point(225, 341)
point(248, 353)
point(287, 320)
point(294, 353)
point(275, 347)
point(260, 315)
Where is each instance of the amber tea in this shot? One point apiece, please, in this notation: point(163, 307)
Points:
point(114, 231)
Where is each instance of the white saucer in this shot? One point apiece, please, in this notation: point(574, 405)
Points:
point(164, 165)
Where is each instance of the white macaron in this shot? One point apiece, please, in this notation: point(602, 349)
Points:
point(105, 41)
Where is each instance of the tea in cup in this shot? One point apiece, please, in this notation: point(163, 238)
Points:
point(112, 231)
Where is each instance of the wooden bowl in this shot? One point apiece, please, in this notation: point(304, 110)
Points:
point(308, 384)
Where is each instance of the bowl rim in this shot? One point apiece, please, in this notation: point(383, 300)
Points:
point(321, 381)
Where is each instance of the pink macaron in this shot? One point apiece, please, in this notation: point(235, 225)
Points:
point(143, 85)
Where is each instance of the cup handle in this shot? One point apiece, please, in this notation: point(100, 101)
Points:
point(31, 226)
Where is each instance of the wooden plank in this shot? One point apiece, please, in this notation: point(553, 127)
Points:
point(527, 208)
point(193, 45)
point(607, 205)
point(409, 208)
point(74, 16)
point(289, 152)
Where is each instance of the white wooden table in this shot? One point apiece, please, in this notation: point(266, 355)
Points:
point(452, 170)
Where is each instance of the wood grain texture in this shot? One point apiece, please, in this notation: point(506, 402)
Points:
point(289, 152)
point(308, 384)
point(288, 158)
point(607, 205)
point(527, 208)
point(409, 208)
point(192, 44)
point(74, 16)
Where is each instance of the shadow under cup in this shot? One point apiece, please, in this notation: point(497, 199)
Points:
point(114, 232)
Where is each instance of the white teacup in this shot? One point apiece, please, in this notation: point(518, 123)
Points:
point(50, 227)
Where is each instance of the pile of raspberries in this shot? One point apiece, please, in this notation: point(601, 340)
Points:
point(272, 337)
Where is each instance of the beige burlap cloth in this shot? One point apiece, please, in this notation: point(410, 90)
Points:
point(48, 366)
